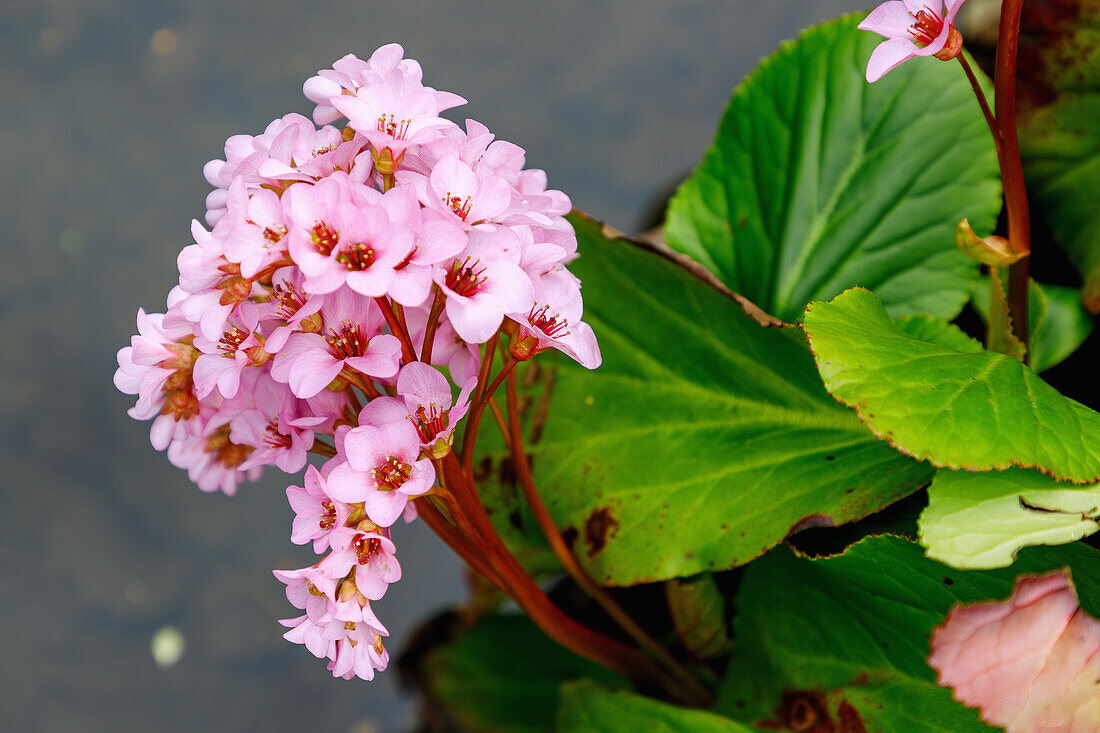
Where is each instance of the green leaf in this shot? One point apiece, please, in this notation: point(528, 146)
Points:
point(1059, 122)
point(704, 438)
point(937, 331)
point(854, 630)
point(504, 676)
point(980, 520)
point(1058, 321)
point(589, 708)
point(698, 611)
point(1002, 338)
point(1067, 325)
point(978, 411)
point(818, 181)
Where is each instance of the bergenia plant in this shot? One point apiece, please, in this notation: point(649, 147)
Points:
point(757, 478)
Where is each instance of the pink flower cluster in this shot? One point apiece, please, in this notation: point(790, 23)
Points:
point(335, 255)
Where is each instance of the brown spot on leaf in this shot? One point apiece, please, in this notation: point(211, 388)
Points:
point(597, 528)
point(569, 534)
point(807, 711)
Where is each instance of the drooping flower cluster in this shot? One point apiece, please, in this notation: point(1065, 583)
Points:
point(338, 257)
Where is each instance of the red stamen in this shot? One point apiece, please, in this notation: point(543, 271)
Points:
point(324, 237)
point(465, 279)
point(392, 474)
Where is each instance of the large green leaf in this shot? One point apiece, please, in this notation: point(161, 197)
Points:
point(1060, 125)
point(704, 438)
point(504, 676)
point(978, 411)
point(853, 630)
point(980, 520)
point(589, 708)
point(818, 181)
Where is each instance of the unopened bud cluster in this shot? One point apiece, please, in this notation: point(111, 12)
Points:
point(333, 252)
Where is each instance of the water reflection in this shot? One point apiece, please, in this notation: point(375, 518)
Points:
point(112, 109)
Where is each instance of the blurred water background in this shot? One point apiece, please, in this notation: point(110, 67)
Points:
point(110, 110)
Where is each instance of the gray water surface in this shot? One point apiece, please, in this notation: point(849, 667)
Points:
point(106, 125)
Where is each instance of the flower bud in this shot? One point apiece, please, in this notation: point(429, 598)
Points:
point(992, 250)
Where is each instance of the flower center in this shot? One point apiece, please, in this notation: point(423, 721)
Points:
point(225, 451)
point(348, 342)
point(429, 423)
point(290, 301)
point(460, 206)
point(465, 279)
point(324, 237)
point(275, 439)
point(231, 341)
point(552, 326)
point(323, 150)
point(328, 515)
point(367, 547)
point(397, 129)
point(391, 475)
point(927, 27)
point(274, 236)
point(357, 257)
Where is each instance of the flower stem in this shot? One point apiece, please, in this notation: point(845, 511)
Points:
point(1012, 172)
point(433, 324)
point(565, 554)
point(322, 448)
point(469, 434)
point(983, 103)
point(408, 354)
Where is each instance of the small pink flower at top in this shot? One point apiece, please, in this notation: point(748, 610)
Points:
point(383, 470)
point(393, 115)
point(424, 400)
point(912, 28)
point(467, 197)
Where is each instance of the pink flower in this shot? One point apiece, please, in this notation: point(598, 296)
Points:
point(222, 361)
point(1030, 663)
point(316, 514)
point(365, 557)
point(277, 427)
point(294, 309)
point(467, 197)
point(309, 362)
point(393, 115)
point(256, 230)
point(484, 283)
point(383, 470)
point(554, 322)
point(424, 401)
point(912, 28)
point(350, 73)
point(436, 239)
point(342, 234)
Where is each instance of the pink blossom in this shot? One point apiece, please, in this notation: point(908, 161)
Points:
point(309, 362)
point(484, 283)
point(383, 470)
point(278, 427)
point(436, 239)
point(342, 234)
point(912, 28)
point(308, 589)
point(468, 198)
point(1030, 663)
point(393, 115)
point(554, 322)
point(366, 557)
point(316, 513)
point(293, 308)
point(425, 402)
point(350, 73)
point(222, 361)
point(255, 235)
point(212, 460)
point(301, 152)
